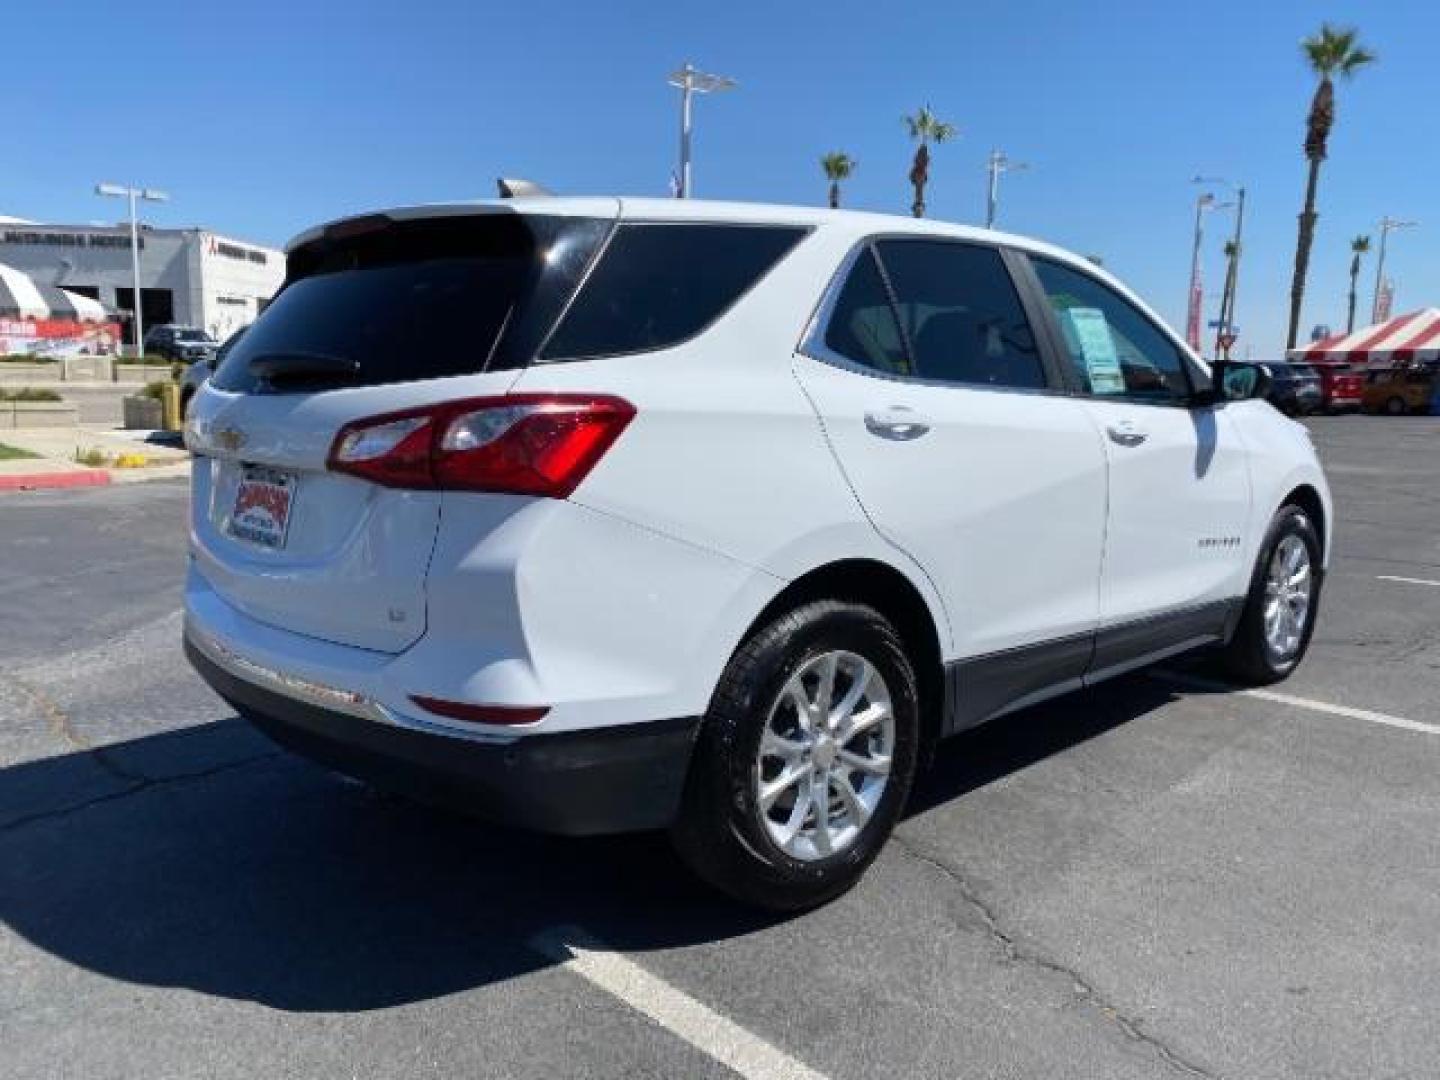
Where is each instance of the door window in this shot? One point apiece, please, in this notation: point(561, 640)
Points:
point(1113, 349)
point(961, 315)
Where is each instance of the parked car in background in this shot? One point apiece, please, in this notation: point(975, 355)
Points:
point(184, 343)
point(1341, 385)
point(196, 374)
point(725, 515)
point(1398, 391)
point(1295, 389)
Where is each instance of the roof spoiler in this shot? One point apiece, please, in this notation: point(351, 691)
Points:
point(514, 187)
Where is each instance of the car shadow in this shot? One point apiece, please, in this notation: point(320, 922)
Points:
point(242, 872)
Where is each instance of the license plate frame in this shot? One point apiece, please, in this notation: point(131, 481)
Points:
point(263, 508)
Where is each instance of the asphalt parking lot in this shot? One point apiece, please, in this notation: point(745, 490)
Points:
point(1155, 879)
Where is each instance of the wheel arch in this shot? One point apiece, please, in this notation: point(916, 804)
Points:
point(891, 592)
point(1307, 498)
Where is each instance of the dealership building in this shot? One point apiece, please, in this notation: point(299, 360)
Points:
point(189, 276)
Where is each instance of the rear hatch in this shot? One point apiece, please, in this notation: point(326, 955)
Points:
point(378, 315)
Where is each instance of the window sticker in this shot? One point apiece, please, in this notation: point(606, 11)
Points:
point(1097, 346)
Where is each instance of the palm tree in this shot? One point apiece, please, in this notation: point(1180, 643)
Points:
point(925, 127)
point(838, 166)
point(1227, 294)
point(1358, 247)
point(1333, 51)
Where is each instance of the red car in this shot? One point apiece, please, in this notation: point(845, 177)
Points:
point(1341, 385)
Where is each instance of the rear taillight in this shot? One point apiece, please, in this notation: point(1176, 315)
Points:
point(527, 444)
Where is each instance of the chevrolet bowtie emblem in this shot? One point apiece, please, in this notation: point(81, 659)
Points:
point(230, 438)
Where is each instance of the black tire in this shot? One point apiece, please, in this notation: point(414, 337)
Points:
point(1249, 658)
point(720, 833)
point(1396, 407)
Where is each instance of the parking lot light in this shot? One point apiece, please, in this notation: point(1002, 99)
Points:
point(1387, 226)
point(120, 191)
point(689, 80)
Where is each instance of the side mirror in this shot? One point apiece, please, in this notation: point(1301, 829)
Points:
point(1235, 381)
point(1243, 382)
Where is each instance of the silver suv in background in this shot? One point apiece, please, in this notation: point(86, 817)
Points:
point(196, 374)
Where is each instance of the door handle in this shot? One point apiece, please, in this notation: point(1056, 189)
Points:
point(1127, 433)
point(896, 422)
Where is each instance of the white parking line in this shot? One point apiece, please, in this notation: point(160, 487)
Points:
point(1406, 580)
point(727, 1042)
point(1346, 711)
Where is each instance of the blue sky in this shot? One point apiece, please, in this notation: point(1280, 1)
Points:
point(263, 118)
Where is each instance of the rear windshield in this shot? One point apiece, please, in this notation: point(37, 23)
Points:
point(415, 300)
point(659, 284)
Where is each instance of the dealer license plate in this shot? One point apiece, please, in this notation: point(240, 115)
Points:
point(263, 504)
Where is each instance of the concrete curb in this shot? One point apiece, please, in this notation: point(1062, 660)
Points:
point(75, 478)
point(145, 474)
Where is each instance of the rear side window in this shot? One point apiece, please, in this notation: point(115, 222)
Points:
point(862, 326)
point(657, 285)
point(412, 300)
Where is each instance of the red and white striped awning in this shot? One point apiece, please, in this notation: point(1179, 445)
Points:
point(21, 297)
point(1406, 338)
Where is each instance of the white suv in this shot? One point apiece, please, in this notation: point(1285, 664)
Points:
point(603, 514)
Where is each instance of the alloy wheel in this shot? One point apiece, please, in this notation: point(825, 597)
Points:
point(824, 758)
point(1289, 587)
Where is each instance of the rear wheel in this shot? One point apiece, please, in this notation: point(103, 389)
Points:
point(1279, 614)
point(805, 759)
point(1395, 406)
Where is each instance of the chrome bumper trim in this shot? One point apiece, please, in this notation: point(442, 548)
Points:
point(334, 698)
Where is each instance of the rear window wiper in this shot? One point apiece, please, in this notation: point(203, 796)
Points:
point(278, 366)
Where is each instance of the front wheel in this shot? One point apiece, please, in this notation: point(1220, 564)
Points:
point(1396, 406)
point(1279, 613)
point(805, 758)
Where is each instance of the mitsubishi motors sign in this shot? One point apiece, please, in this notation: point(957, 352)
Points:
point(226, 249)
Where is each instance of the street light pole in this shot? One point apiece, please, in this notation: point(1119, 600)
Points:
point(132, 194)
point(998, 163)
point(1387, 226)
point(685, 92)
point(138, 316)
point(1232, 272)
point(690, 81)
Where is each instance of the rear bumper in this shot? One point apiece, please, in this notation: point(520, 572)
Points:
point(601, 780)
